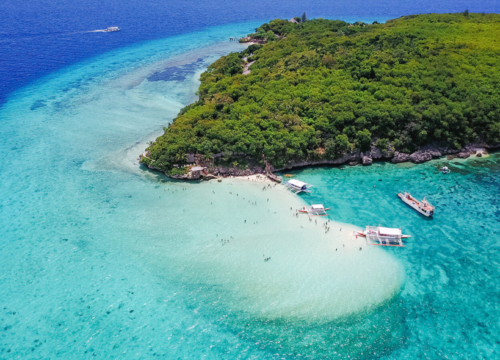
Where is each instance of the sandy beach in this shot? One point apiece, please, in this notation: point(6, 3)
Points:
point(252, 178)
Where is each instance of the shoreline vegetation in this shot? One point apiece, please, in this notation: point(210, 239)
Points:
point(325, 92)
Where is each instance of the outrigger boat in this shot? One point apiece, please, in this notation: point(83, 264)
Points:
point(384, 231)
point(382, 236)
point(422, 207)
point(315, 210)
point(298, 186)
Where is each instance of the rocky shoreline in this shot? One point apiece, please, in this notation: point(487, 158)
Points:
point(424, 154)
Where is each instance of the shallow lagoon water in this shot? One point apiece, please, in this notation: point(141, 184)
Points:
point(450, 297)
point(104, 258)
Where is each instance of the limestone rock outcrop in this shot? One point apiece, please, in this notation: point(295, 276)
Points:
point(400, 157)
point(366, 160)
point(419, 157)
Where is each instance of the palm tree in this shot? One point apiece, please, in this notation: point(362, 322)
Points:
point(180, 157)
point(207, 158)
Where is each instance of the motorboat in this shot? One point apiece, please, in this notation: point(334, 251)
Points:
point(445, 170)
point(111, 29)
point(422, 207)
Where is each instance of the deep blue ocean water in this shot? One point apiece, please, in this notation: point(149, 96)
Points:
point(39, 37)
point(103, 259)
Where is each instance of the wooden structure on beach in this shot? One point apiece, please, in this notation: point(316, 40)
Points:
point(269, 172)
point(274, 178)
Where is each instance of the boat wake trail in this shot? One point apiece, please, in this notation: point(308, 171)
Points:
point(109, 29)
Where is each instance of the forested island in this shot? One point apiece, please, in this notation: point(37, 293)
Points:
point(325, 91)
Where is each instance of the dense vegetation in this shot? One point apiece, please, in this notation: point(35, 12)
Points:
point(322, 87)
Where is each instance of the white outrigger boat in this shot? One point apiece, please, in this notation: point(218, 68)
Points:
point(382, 236)
point(422, 207)
point(298, 186)
point(315, 210)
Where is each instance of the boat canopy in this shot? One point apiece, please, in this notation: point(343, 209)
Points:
point(298, 184)
point(316, 210)
point(382, 236)
point(389, 231)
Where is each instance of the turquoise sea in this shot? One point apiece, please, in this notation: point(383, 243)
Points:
point(102, 258)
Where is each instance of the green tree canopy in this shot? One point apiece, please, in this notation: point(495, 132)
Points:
point(323, 85)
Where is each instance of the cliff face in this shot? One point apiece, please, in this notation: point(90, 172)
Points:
point(424, 154)
point(351, 158)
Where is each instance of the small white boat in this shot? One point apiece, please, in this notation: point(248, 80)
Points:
point(422, 207)
point(111, 29)
point(315, 210)
point(445, 170)
point(382, 236)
